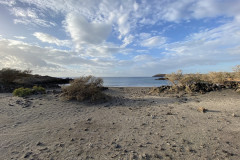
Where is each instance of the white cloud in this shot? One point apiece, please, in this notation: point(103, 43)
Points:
point(218, 45)
point(19, 37)
point(50, 39)
point(19, 12)
point(127, 40)
point(16, 54)
point(30, 16)
point(34, 22)
point(124, 27)
point(212, 8)
point(84, 32)
point(155, 41)
point(144, 35)
point(8, 2)
point(91, 23)
point(142, 57)
point(126, 15)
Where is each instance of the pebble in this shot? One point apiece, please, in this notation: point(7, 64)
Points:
point(61, 145)
point(117, 146)
point(39, 144)
point(153, 116)
point(27, 154)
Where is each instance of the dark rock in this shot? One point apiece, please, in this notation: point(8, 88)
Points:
point(40, 144)
point(162, 78)
point(117, 146)
point(28, 154)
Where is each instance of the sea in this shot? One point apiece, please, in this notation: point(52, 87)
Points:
point(133, 82)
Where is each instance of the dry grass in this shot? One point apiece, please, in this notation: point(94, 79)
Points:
point(236, 71)
point(190, 82)
point(218, 77)
point(174, 78)
point(84, 88)
point(189, 79)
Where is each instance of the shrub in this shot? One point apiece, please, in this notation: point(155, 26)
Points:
point(84, 88)
point(217, 77)
point(174, 77)
point(39, 89)
point(236, 70)
point(189, 79)
point(8, 75)
point(22, 92)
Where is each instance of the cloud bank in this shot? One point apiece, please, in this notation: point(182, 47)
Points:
point(125, 37)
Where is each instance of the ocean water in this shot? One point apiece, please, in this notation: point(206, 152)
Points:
point(133, 82)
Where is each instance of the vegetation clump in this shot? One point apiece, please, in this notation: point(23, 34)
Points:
point(8, 75)
point(175, 78)
point(85, 88)
point(202, 83)
point(236, 70)
point(38, 89)
point(22, 92)
point(11, 79)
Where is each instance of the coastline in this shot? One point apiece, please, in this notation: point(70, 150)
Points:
point(132, 125)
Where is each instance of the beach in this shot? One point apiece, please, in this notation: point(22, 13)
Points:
point(132, 125)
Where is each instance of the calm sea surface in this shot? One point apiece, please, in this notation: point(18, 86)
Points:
point(133, 82)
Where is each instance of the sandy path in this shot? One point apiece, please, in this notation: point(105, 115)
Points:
point(131, 126)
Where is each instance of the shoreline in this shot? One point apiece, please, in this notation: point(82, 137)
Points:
point(133, 125)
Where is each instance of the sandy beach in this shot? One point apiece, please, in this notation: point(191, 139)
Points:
point(133, 125)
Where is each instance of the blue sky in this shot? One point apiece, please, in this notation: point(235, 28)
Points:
point(119, 37)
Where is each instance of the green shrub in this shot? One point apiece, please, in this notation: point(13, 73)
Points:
point(84, 88)
point(39, 89)
point(22, 92)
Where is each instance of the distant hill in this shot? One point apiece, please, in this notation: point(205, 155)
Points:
point(159, 75)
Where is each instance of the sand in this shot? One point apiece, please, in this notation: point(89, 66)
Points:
point(133, 125)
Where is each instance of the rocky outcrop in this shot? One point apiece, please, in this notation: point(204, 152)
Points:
point(30, 81)
point(196, 87)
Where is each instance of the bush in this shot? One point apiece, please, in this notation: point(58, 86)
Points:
point(8, 75)
point(236, 70)
point(189, 79)
point(84, 88)
point(217, 77)
point(22, 92)
point(39, 89)
point(174, 77)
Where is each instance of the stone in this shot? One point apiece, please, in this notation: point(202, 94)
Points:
point(40, 144)
point(202, 109)
point(117, 146)
point(28, 154)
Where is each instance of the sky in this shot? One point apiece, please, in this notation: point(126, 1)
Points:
point(119, 38)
